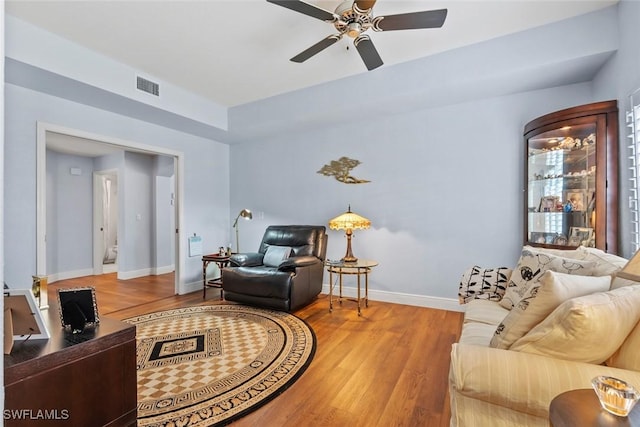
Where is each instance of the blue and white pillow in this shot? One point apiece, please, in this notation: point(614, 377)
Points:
point(483, 283)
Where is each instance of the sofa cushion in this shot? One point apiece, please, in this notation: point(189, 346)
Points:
point(483, 283)
point(497, 380)
point(585, 329)
point(532, 265)
point(275, 255)
point(628, 356)
point(484, 311)
point(540, 300)
point(477, 333)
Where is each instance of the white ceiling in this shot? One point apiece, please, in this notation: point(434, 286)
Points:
point(237, 51)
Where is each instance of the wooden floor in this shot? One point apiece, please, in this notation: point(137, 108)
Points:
point(386, 368)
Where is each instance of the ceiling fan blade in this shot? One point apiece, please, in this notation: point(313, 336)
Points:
point(364, 5)
point(410, 21)
point(316, 48)
point(368, 52)
point(306, 9)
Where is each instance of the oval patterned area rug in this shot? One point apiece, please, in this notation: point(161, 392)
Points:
point(209, 365)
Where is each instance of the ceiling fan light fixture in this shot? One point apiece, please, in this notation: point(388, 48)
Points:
point(354, 29)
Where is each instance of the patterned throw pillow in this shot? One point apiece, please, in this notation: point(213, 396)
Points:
point(531, 267)
point(540, 300)
point(483, 283)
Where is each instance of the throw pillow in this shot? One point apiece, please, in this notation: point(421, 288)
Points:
point(564, 253)
point(540, 300)
point(483, 283)
point(532, 265)
point(274, 255)
point(608, 264)
point(585, 329)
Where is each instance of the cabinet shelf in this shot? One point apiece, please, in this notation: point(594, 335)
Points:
point(568, 178)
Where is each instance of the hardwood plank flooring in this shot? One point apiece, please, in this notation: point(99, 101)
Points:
point(388, 367)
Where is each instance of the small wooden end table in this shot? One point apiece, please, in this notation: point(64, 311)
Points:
point(581, 408)
point(222, 261)
point(361, 267)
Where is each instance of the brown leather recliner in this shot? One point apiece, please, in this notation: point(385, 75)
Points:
point(286, 272)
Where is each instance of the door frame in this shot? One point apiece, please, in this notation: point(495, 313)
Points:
point(41, 186)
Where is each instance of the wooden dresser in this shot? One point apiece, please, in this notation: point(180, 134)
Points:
point(86, 379)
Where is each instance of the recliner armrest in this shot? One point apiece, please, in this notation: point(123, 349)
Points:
point(249, 259)
point(298, 261)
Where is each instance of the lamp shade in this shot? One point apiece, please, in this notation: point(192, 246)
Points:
point(349, 221)
point(246, 214)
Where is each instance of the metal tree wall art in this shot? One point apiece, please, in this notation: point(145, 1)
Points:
point(340, 170)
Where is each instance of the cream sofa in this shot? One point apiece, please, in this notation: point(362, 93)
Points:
point(514, 386)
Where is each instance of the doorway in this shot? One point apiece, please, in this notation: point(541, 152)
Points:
point(77, 142)
point(105, 216)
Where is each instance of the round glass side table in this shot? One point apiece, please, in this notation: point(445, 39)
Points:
point(361, 267)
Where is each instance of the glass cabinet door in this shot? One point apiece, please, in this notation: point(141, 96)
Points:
point(562, 192)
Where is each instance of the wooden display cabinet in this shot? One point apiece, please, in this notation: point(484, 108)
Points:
point(571, 178)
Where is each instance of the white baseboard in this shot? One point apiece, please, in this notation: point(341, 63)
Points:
point(163, 270)
point(125, 275)
point(153, 271)
point(187, 288)
point(52, 278)
point(449, 304)
point(109, 268)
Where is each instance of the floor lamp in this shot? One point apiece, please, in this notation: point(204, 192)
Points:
point(246, 214)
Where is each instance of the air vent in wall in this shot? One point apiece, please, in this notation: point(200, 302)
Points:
point(148, 86)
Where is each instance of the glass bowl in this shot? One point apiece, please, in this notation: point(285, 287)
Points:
point(616, 396)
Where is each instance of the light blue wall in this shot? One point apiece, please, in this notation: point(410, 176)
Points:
point(206, 175)
point(137, 184)
point(164, 211)
point(445, 191)
point(69, 213)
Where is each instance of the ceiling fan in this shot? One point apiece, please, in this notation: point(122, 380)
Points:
point(354, 18)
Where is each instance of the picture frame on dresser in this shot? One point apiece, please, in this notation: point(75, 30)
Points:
point(22, 318)
point(78, 308)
